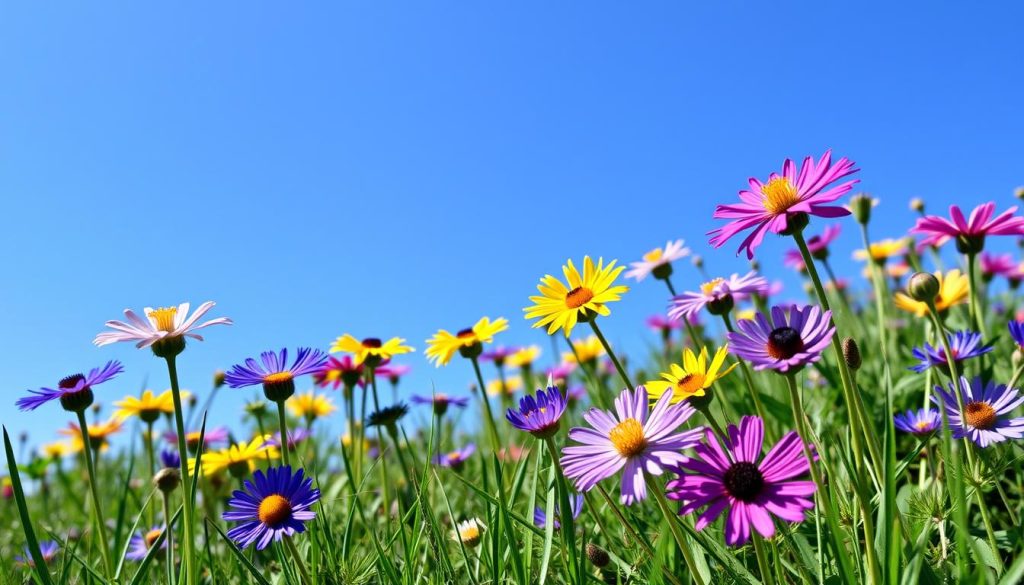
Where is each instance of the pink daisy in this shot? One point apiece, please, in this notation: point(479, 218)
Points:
point(993, 265)
point(970, 232)
point(658, 261)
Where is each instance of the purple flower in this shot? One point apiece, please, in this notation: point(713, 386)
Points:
point(440, 402)
point(817, 245)
point(783, 342)
point(770, 206)
point(73, 391)
point(718, 295)
point(985, 417)
point(276, 376)
point(48, 549)
point(539, 415)
point(214, 436)
point(271, 506)
point(920, 423)
point(1017, 332)
point(456, 459)
point(170, 458)
point(753, 492)
point(140, 543)
point(295, 436)
point(970, 232)
point(963, 344)
point(630, 439)
point(540, 519)
point(499, 354)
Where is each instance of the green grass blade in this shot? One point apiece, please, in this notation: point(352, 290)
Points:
point(40, 569)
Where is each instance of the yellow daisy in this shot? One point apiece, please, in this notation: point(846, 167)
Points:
point(372, 348)
point(954, 287)
point(523, 357)
point(57, 449)
point(560, 307)
point(99, 434)
point(310, 405)
point(588, 350)
point(239, 460)
point(882, 251)
point(468, 342)
point(693, 378)
point(147, 407)
point(512, 385)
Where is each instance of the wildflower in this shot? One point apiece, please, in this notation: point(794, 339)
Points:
point(140, 543)
point(440, 402)
point(74, 391)
point(952, 290)
point(47, 548)
point(498, 355)
point(99, 434)
point(560, 373)
point(469, 532)
point(372, 350)
point(167, 479)
point(335, 372)
point(561, 306)
point(147, 407)
point(218, 379)
point(539, 415)
point(57, 449)
point(881, 252)
point(632, 440)
point(310, 405)
point(170, 458)
point(817, 245)
point(921, 423)
point(271, 506)
point(295, 436)
point(276, 376)
point(1017, 332)
point(387, 416)
point(658, 261)
point(587, 351)
point(693, 378)
point(163, 329)
point(663, 325)
point(506, 387)
point(239, 459)
point(718, 295)
point(393, 372)
point(969, 233)
point(752, 488)
point(540, 519)
point(985, 418)
point(468, 342)
point(964, 345)
point(211, 437)
point(455, 459)
point(860, 206)
point(785, 343)
point(781, 205)
point(993, 265)
point(524, 357)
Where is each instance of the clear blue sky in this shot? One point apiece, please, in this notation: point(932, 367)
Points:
point(389, 169)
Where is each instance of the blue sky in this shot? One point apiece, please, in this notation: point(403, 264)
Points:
point(391, 169)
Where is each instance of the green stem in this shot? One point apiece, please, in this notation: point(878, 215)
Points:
point(568, 526)
point(747, 376)
point(101, 527)
point(633, 533)
point(694, 338)
point(1016, 376)
point(282, 423)
point(762, 559)
point(169, 537)
point(972, 279)
point(303, 572)
point(608, 349)
point(492, 430)
point(188, 528)
point(677, 534)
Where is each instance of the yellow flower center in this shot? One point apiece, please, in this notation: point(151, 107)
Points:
point(778, 195)
point(469, 534)
point(164, 318)
point(690, 383)
point(921, 425)
point(454, 456)
point(653, 256)
point(578, 297)
point(980, 415)
point(274, 509)
point(151, 536)
point(628, 437)
point(277, 377)
point(709, 287)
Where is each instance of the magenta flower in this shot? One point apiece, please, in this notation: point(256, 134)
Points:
point(817, 245)
point(993, 265)
point(753, 492)
point(969, 233)
point(783, 342)
point(770, 206)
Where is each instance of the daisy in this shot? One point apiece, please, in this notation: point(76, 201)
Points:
point(954, 287)
point(336, 372)
point(169, 458)
point(506, 387)
point(658, 261)
point(783, 202)
point(99, 434)
point(74, 391)
point(1017, 332)
point(469, 532)
point(663, 325)
point(524, 357)
point(785, 343)
point(371, 350)
point(147, 407)
point(295, 436)
point(171, 323)
point(540, 519)
point(539, 415)
point(587, 350)
point(455, 459)
point(921, 423)
point(140, 543)
point(751, 487)
point(693, 378)
point(718, 295)
point(881, 252)
point(440, 402)
point(964, 345)
point(632, 440)
point(561, 306)
point(468, 342)
point(393, 372)
point(239, 459)
point(48, 549)
point(993, 265)
point(212, 437)
point(985, 418)
point(274, 373)
point(310, 405)
point(498, 355)
point(817, 245)
point(969, 233)
point(271, 506)
point(56, 449)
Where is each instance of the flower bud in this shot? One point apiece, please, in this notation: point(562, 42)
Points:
point(923, 287)
point(698, 262)
point(860, 206)
point(597, 555)
point(917, 204)
point(1019, 192)
point(851, 354)
point(218, 378)
point(167, 479)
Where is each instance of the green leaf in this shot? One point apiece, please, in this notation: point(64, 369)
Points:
point(40, 568)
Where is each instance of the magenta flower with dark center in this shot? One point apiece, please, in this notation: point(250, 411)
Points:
point(969, 233)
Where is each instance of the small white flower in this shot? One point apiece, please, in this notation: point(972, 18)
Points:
point(657, 257)
point(469, 532)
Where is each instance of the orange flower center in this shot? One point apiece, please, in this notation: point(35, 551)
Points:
point(980, 415)
point(709, 287)
point(151, 536)
point(654, 255)
point(274, 509)
point(578, 297)
point(277, 377)
point(163, 318)
point(778, 195)
point(628, 437)
point(690, 383)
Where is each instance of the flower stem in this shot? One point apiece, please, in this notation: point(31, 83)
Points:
point(303, 572)
point(282, 423)
point(747, 376)
point(101, 527)
point(188, 529)
point(492, 430)
point(568, 527)
point(677, 534)
point(165, 497)
point(878, 282)
point(694, 338)
point(611, 354)
point(762, 559)
point(972, 279)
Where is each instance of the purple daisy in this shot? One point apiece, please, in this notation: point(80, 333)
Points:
point(817, 245)
point(295, 436)
point(140, 543)
point(212, 437)
point(963, 344)
point(920, 423)
point(540, 519)
point(752, 491)
point(271, 506)
point(783, 342)
point(276, 376)
point(630, 439)
point(770, 206)
point(969, 233)
point(718, 295)
point(74, 391)
point(993, 265)
point(1017, 332)
point(539, 415)
point(48, 549)
point(498, 355)
point(440, 402)
point(455, 459)
point(985, 417)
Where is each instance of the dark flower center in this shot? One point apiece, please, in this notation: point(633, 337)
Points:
point(980, 415)
point(578, 297)
point(784, 343)
point(70, 381)
point(467, 332)
point(372, 342)
point(743, 481)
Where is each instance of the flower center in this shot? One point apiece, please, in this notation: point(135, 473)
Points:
point(578, 297)
point(277, 377)
point(628, 437)
point(454, 457)
point(372, 342)
point(709, 287)
point(70, 381)
point(151, 537)
point(778, 195)
point(653, 256)
point(922, 425)
point(690, 383)
point(743, 481)
point(163, 318)
point(980, 415)
point(784, 343)
point(274, 510)
point(465, 333)
point(469, 533)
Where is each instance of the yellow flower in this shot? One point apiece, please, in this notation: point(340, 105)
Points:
point(693, 378)
point(588, 350)
point(239, 460)
point(443, 345)
point(57, 449)
point(371, 347)
point(512, 385)
point(99, 434)
point(523, 357)
point(147, 407)
point(560, 307)
point(881, 251)
point(953, 290)
point(748, 314)
point(310, 405)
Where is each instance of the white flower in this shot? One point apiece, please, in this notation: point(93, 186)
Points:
point(469, 532)
point(656, 258)
point(165, 322)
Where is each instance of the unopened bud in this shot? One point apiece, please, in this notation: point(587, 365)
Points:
point(1019, 192)
point(597, 555)
point(917, 204)
point(218, 378)
point(851, 354)
point(167, 479)
point(1016, 358)
point(923, 287)
point(698, 261)
point(860, 206)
